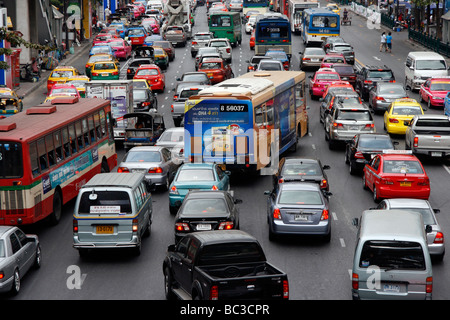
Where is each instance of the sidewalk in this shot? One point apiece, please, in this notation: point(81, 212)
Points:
point(28, 87)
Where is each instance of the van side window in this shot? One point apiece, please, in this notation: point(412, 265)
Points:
point(138, 198)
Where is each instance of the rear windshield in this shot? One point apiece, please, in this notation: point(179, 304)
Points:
point(392, 255)
point(377, 144)
point(229, 253)
point(344, 69)
point(334, 59)
point(397, 90)
point(210, 65)
point(189, 92)
point(172, 136)
point(199, 206)
point(433, 123)
point(195, 77)
point(10, 160)
point(106, 202)
point(382, 74)
point(402, 166)
point(104, 66)
point(196, 175)
point(301, 169)
point(354, 115)
point(406, 110)
point(143, 156)
point(147, 72)
point(328, 76)
point(300, 197)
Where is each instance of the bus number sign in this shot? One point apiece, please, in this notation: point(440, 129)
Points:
point(233, 108)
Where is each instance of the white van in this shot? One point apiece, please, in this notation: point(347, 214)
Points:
point(391, 258)
point(421, 65)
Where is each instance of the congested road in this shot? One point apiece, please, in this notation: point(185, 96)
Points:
point(316, 270)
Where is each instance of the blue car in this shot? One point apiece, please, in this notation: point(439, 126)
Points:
point(101, 49)
point(148, 41)
point(120, 28)
point(280, 55)
point(447, 104)
point(196, 176)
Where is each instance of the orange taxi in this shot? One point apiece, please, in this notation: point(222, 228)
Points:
point(216, 69)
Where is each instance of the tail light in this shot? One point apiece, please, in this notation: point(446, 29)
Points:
point(325, 215)
point(368, 81)
point(135, 225)
point(359, 155)
point(439, 238)
point(393, 120)
point(424, 182)
point(94, 73)
point(155, 170)
point(285, 289)
point(338, 125)
point(392, 81)
point(306, 59)
point(75, 226)
point(171, 108)
point(115, 73)
point(228, 50)
point(173, 190)
point(87, 66)
point(214, 188)
point(194, 42)
point(128, 70)
point(227, 225)
point(324, 183)
point(429, 286)
point(416, 141)
point(123, 169)
point(214, 293)
point(251, 68)
point(380, 98)
point(277, 214)
point(280, 180)
point(386, 181)
point(355, 281)
point(181, 226)
point(144, 104)
point(369, 126)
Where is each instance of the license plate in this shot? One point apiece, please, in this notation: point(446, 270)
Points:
point(354, 128)
point(314, 60)
point(104, 229)
point(139, 170)
point(391, 288)
point(203, 227)
point(301, 217)
point(405, 184)
point(105, 74)
point(209, 74)
point(436, 154)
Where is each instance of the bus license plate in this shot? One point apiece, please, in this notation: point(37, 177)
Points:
point(203, 227)
point(405, 184)
point(104, 229)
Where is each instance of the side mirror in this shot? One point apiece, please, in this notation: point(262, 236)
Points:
point(355, 222)
point(237, 201)
point(171, 248)
point(436, 210)
point(326, 167)
point(267, 192)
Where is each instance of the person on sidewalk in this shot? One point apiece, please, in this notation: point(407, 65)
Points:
point(389, 42)
point(383, 42)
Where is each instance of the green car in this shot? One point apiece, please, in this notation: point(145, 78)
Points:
point(204, 176)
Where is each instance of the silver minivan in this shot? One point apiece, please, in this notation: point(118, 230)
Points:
point(112, 210)
point(391, 259)
point(421, 65)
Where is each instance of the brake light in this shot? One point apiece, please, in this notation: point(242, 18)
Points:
point(338, 125)
point(171, 108)
point(280, 180)
point(228, 225)
point(416, 141)
point(359, 155)
point(355, 281)
point(155, 170)
point(285, 289)
point(429, 286)
point(214, 188)
point(173, 190)
point(94, 73)
point(306, 59)
point(277, 214)
point(75, 226)
point(392, 81)
point(87, 66)
point(324, 183)
point(380, 98)
point(135, 226)
point(214, 293)
point(123, 169)
point(325, 215)
point(386, 181)
point(369, 126)
point(228, 50)
point(439, 238)
point(393, 120)
point(194, 42)
point(368, 81)
point(181, 226)
point(251, 68)
point(424, 182)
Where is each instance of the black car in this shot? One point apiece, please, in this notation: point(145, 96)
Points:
point(135, 63)
point(346, 72)
point(144, 100)
point(195, 77)
point(205, 210)
point(368, 76)
point(363, 147)
point(295, 169)
point(254, 61)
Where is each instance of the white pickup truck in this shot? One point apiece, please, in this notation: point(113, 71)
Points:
point(429, 135)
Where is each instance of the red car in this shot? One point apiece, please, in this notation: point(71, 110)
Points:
point(320, 81)
point(64, 89)
point(252, 40)
point(331, 59)
point(121, 48)
point(396, 174)
point(153, 75)
point(151, 24)
point(216, 69)
point(434, 90)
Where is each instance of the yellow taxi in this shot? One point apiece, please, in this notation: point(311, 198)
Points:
point(161, 58)
point(10, 102)
point(141, 84)
point(60, 75)
point(399, 114)
point(79, 83)
point(99, 57)
point(105, 70)
point(334, 7)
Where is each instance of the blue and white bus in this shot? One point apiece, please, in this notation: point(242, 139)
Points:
point(272, 30)
point(318, 24)
point(245, 123)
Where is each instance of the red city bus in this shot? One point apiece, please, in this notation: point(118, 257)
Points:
point(48, 152)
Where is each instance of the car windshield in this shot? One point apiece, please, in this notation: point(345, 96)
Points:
point(327, 76)
point(342, 48)
point(358, 115)
point(375, 143)
point(333, 60)
point(216, 44)
point(78, 83)
point(270, 66)
point(430, 65)
point(440, 86)
point(392, 255)
point(101, 49)
point(277, 55)
point(188, 92)
point(300, 197)
point(195, 175)
point(344, 69)
point(397, 90)
point(136, 32)
point(349, 100)
point(199, 206)
point(425, 212)
point(202, 37)
point(302, 169)
point(116, 43)
point(64, 91)
point(172, 136)
point(142, 156)
point(147, 72)
point(406, 110)
point(402, 166)
point(62, 74)
point(227, 253)
point(99, 58)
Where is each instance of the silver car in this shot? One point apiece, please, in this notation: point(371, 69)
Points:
point(200, 40)
point(224, 47)
point(235, 5)
point(435, 235)
point(384, 93)
point(311, 58)
point(156, 162)
point(18, 253)
point(173, 140)
point(203, 51)
point(270, 65)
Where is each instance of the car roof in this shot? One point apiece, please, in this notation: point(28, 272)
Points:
point(201, 194)
point(222, 236)
point(5, 229)
point(297, 159)
point(408, 203)
point(146, 148)
point(396, 156)
point(197, 166)
point(407, 101)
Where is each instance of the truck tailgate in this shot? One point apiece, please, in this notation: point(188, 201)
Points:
point(258, 287)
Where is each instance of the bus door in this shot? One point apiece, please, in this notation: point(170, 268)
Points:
point(265, 133)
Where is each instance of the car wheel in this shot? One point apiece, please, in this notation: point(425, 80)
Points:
point(346, 157)
point(364, 182)
point(168, 285)
point(376, 198)
point(429, 103)
point(38, 258)
point(351, 169)
point(16, 283)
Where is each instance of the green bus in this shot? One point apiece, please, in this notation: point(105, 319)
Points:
point(226, 25)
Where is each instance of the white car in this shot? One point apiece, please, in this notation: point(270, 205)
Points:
point(235, 5)
point(270, 65)
point(224, 47)
point(250, 24)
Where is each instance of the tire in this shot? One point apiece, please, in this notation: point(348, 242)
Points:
point(173, 210)
point(55, 216)
point(375, 195)
point(15, 288)
point(168, 284)
point(38, 258)
point(365, 187)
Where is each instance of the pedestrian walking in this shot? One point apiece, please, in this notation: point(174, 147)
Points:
point(383, 42)
point(389, 42)
point(107, 14)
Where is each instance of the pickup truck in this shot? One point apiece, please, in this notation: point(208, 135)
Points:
point(221, 264)
point(429, 134)
point(176, 35)
point(183, 92)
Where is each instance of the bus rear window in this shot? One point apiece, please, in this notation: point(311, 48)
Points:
point(11, 165)
point(278, 31)
point(105, 202)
